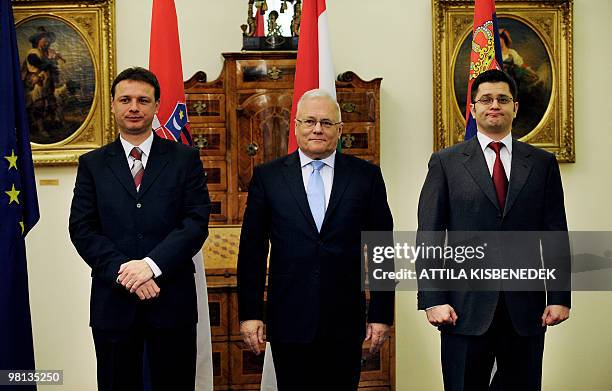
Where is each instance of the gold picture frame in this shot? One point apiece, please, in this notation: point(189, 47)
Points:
point(542, 31)
point(67, 60)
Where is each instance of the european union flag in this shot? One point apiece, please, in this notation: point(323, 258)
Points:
point(18, 205)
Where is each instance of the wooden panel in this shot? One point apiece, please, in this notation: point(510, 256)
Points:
point(357, 106)
point(245, 366)
point(220, 359)
point(263, 128)
point(218, 310)
point(359, 138)
point(242, 201)
point(216, 172)
point(202, 108)
point(218, 210)
point(268, 74)
point(375, 369)
point(210, 140)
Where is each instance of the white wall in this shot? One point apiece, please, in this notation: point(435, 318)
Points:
point(384, 38)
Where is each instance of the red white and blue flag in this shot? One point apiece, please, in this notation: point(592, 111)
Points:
point(171, 121)
point(314, 67)
point(486, 52)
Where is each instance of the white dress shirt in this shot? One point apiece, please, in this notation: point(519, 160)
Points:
point(505, 153)
point(327, 172)
point(145, 147)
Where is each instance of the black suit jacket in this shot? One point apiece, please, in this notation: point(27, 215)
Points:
point(314, 283)
point(167, 220)
point(459, 195)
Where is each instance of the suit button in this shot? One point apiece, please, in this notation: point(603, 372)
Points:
point(139, 205)
point(139, 236)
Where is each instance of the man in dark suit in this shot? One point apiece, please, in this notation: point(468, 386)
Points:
point(139, 213)
point(467, 189)
point(310, 207)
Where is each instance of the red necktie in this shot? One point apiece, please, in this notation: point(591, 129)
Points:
point(499, 175)
point(138, 168)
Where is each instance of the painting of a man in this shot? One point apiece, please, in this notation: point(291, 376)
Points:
point(58, 76)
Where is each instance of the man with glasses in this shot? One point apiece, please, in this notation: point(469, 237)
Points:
point(309, 208)
point(493, 183)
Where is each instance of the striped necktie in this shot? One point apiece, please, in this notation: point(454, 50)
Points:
point(137, 168)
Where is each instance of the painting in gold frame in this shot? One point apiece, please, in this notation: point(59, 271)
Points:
point(67, 59)
point(538, 38)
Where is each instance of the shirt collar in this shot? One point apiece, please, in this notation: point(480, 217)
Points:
point(305, 160)
point(145, 146)
point(485, 140)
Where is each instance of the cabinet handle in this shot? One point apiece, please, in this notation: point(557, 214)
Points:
point(347, 141)
point(200, 141)
point(252, 149)
point(274, 73)
point(348, 107)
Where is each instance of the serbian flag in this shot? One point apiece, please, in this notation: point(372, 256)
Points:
point(171, 123)
point(486, 53)
point(314, 67)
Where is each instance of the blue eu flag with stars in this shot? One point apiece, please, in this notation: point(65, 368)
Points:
point(18, 205)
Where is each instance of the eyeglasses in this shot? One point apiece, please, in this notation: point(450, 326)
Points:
point(311, 123)
point(488, 100)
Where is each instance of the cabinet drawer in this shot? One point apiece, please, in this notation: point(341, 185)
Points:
point(359, 139)
point(216, 172)
point(260, 74)
point(375, 370)
point(218, 310)
point(357, 106)
point(220, 361)
point(245, 366)
point(218, 211)
point(211, 141)
point(202, 108)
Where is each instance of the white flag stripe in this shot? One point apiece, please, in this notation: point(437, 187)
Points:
point(327, 79)
point(204, 365)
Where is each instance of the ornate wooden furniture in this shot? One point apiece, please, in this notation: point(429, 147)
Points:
point(241, 120)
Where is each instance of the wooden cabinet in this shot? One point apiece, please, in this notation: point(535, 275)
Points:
point(238, 121)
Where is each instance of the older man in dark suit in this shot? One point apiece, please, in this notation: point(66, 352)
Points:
point(309, 208)
point(139, 213)
point(495, 183)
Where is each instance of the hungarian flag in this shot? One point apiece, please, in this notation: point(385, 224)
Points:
point(314, 68)
point(18, 207)
point(486, 52)
point(259, 23)
point(171, 123)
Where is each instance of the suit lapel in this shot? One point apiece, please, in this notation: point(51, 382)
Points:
point(342, 175)
point(158, 159)
point(292, 172)
point(521, 168)
point(476, 165)
point(116, 160)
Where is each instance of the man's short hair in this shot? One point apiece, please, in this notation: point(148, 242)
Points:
point(137, 74)
point(493, 76)
point(319, 93)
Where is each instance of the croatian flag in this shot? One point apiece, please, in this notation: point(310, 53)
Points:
point(486, 53)
point(314, 67)
point(171, 123)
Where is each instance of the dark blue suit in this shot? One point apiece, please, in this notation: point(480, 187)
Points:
point(167, 220)
point(314, 282)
